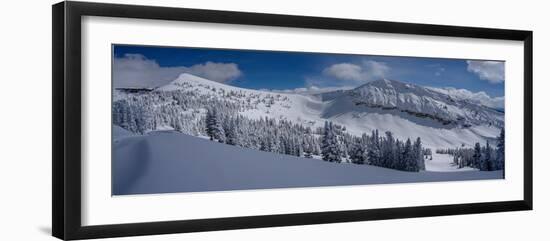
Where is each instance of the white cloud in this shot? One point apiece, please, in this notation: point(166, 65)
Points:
point(366, 71)
point(375, 70)
point(219, 72)
point(477, 97)
point(344, 71)
point(492, 71)
point(439, 71)
point(135, 70)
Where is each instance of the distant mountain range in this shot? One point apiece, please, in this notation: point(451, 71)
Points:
point(414, 100)
point(440, 118)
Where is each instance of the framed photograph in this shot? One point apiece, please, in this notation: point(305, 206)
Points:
point(172, 120)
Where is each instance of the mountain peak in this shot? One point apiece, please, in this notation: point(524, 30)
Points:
point(385, 81)
point(417, 101)
point(189, 77)
point(388, 84)
point(183, 80)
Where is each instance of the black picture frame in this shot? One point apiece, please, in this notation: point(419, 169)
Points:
point(66, 158)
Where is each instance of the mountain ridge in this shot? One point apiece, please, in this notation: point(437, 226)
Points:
point(406, 109)
point(418, 101)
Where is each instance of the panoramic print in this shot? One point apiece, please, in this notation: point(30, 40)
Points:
point(202, 119)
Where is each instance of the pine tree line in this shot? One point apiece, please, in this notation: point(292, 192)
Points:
point(393, 153)
point(332, 142)
point(265, 134)
point(484, 158)
point(200, 115)
point(182, 110)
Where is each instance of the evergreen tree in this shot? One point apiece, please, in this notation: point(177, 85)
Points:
point(365, 143)
point(213, 126)
point(373, 153)
point(231, 133)
point(487, 160)
point(330, 148)
point(263, 145)
point(282, 145)
point(210, 123)
point(308, 149)
point(500, 151)
point(476, 158)
point(399, 160)
point(297, 147)
point(409, 157)
point(357, 152)
point(388, 150)
point(418, 154)
point(456, 161)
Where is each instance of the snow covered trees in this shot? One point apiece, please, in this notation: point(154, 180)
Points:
point(132, 116)
point(374, 150)
point(476, 158)
point(358, 150)
point(388, 149)
point(230, 130)
point(392, 153)
point(200, 114)
point(484, 158)
point(308, 148)
point(407, 160)
point(410, 156)
point(373, 153)
point(500, 151)
point(487, 162)
point(330, 147)
point(214, 127)
point(418, 154)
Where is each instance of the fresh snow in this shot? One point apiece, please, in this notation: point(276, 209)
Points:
point(477, 97)
point(157, 163)
point(442, 163)
point(410, 111)
point(297, 108)
point(386, 105)
point(341, 107)
point(120, 133)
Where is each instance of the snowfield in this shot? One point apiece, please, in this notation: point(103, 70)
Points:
point(408, 111)
point(167, 162)
point(386, 105)
point(443, 163)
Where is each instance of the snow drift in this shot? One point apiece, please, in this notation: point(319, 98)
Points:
point(408, 111)
point(157, 163)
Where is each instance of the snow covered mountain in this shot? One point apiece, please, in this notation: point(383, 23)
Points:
point(414, 100)
point(407, 110)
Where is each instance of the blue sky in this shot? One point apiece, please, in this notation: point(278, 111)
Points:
point(144, 65)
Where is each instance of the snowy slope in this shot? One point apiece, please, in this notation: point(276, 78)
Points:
point(157, 163)
point(297, 108)
point(414, 100)
point(120, 133)
point(406, 110)
point(476, 97)
point(410, 110)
